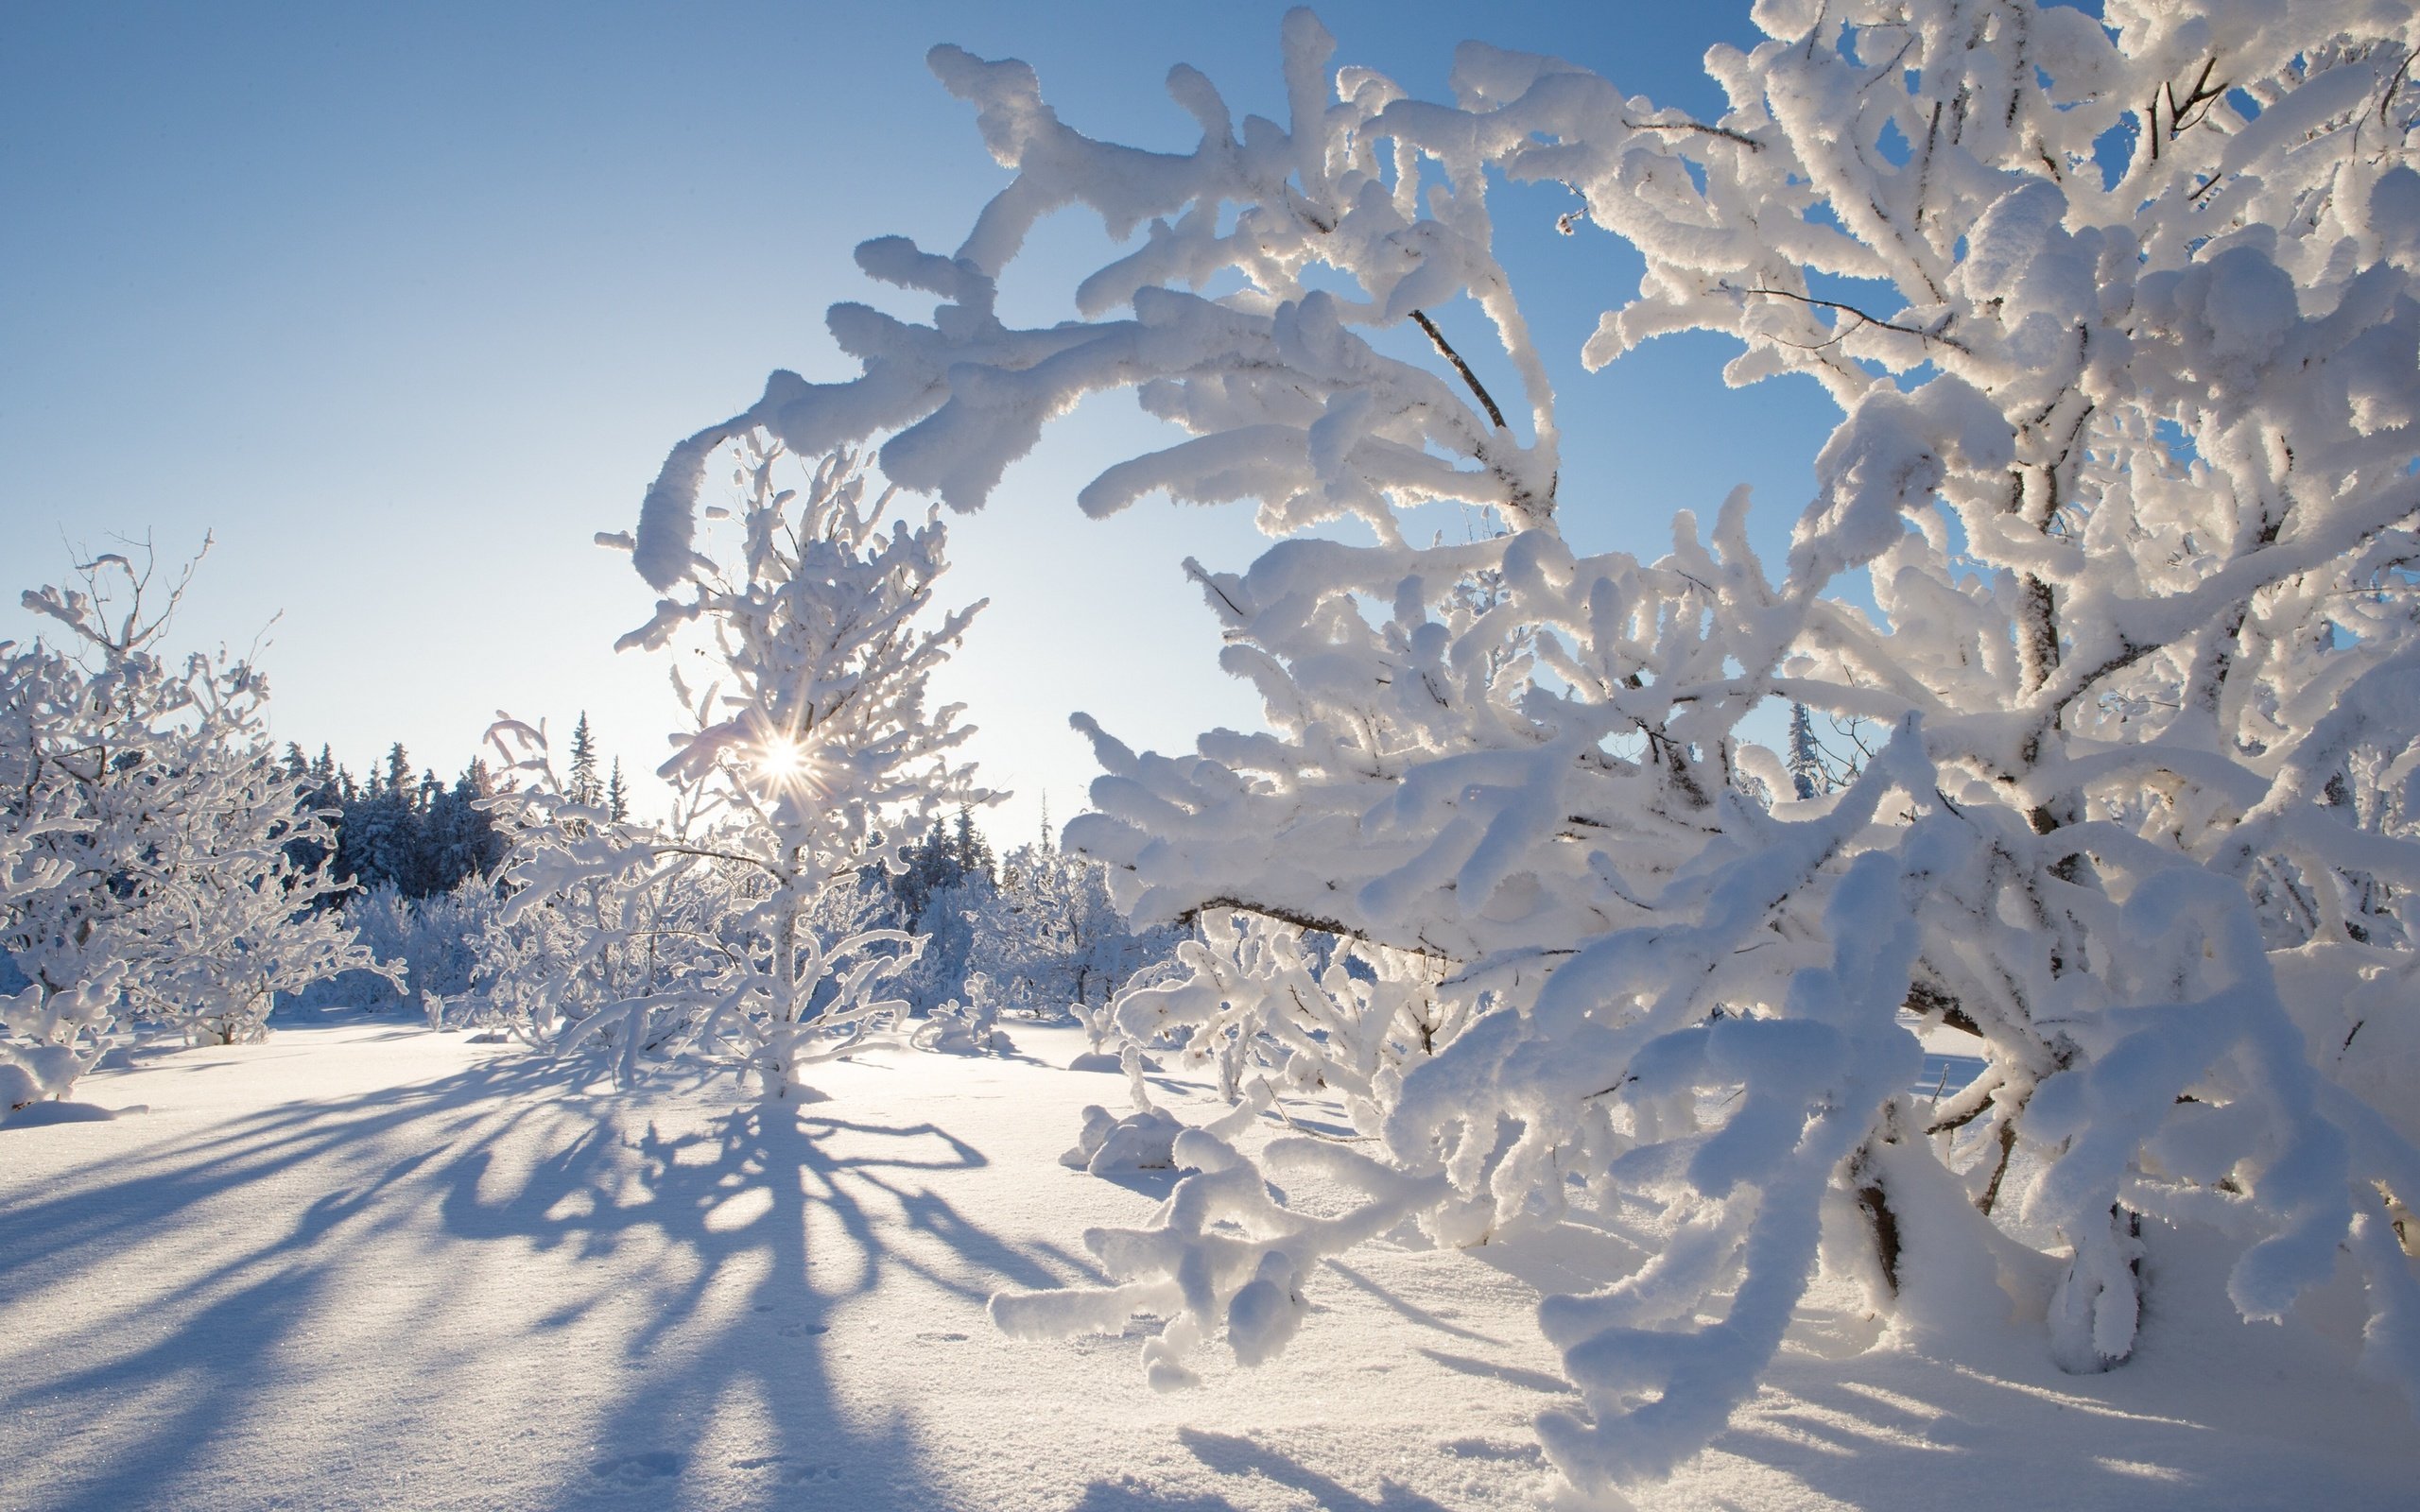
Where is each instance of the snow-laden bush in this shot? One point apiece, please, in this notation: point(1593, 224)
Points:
point(2121, 322)
point(151, 861)
point(812, 762)
point(1142, 1141)
point(965, 1028)
point(1055, 935)
point(595, 947)
point(435, 938)
point(53, 1036)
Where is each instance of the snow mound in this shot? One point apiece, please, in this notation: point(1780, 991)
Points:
point(956, 1036)
point(36, 1115)
point(1104, 1060)
point(1111, 1146)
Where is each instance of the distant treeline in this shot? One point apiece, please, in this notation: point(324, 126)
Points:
point(415, 836)
point(419, 836)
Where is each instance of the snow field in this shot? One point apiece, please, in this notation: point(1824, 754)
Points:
point(365, 1265)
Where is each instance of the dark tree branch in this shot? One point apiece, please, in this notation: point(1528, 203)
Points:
point(1723, 131)
point(1278, 912)
point(1486, 403)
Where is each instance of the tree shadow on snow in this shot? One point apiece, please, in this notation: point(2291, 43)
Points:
point(768, 1219)
point(1255, 1464)
point(182, 1316)
point(258, 1313)
point(1229, 1454)
point(1133, 1496)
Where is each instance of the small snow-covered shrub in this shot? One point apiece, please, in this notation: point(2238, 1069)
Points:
point(52, 1038)
point(1142, 1141)
point(435, 938)
point(969, 1028)
point(1111, 1146)
point(151, 843)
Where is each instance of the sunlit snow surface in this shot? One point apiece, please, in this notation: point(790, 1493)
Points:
point(370, 1266)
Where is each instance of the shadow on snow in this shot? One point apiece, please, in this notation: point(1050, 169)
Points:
point(233, 1312)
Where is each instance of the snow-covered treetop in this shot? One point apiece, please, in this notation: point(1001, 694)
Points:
point(815, 747)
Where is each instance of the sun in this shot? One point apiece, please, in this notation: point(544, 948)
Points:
point(783, 760)
point(785, 764)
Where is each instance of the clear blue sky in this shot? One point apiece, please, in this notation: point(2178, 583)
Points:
point(404, 303)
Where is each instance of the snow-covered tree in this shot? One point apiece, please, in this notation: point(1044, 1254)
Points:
point(2122, 325)
point(234, 921)
point(164, 859)
point(814, 758)
point(420, 840)
point(1804, 762)
point(617, 794)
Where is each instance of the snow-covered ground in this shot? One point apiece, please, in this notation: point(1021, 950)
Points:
point(367, 1265)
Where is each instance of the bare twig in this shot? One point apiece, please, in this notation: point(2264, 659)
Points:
point(1952, 342)
point(1723, 131)
point(1486, 401)
point(2394, 83)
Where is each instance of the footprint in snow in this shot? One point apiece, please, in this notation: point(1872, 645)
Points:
point(802, 1330)
point(941, 1338)
point(653, 1464)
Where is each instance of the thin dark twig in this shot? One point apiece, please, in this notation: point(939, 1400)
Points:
point(1723, 131)
point(1194, 570)
point(1469, 377)
point(2394, 83)
point(2204, 94)
point(1952, 342)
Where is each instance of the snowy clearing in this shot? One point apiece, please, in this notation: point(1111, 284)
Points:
point(366, 1265)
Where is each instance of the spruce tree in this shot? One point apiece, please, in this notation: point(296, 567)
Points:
point(972, 852)
point(583, 789)
point(1806, 763)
